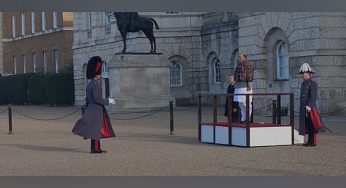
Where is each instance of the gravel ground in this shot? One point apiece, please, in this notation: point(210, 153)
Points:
point(143, 147)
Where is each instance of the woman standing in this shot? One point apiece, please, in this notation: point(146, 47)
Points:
point(95, 123)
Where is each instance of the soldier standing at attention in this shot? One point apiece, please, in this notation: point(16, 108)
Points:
point(309, 119)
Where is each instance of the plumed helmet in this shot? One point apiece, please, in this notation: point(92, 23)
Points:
point(94, 67)
point(305, 68)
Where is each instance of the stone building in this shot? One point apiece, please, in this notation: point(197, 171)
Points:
point(35, 42)
point(203, 47)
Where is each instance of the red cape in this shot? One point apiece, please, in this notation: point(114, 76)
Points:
point(315, 118)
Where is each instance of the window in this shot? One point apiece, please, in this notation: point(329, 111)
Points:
point(13, 26)
point(234, 59)
point(43, 20)
point(89, 24)
point(216, 71)
point(32, 22)
point(55, 20)
point(23, 24)
point(176, 74)
point(34, 62)
point(106, 19)
point(14, 65)
point(56, 60)
point(282, 64)
point(44, 56)
point(24, 63)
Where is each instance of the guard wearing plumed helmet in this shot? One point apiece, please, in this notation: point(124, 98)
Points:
point(309, 119)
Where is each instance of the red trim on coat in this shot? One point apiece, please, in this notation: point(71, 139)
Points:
point(315, 118)
point(105, 131)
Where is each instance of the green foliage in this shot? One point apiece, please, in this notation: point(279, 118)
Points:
point(38, 88)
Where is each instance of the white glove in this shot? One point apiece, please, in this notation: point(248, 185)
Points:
point(111, 100)
point(308, 108)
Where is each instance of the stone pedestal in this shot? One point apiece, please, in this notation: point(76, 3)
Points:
point(139, 81)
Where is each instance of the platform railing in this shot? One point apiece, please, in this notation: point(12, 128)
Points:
point(276, 110)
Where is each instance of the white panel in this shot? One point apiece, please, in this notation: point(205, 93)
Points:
point(238, 136)
point(221, 135)
point(269, 136)
point(207, 133)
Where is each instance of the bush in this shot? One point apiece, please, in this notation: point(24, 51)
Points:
point(53, 89)
point(14, 89)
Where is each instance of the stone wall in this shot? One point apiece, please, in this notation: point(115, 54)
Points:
point(313, 37)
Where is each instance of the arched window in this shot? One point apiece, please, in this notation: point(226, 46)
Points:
point(176, 74)
point(282, 64)
point(216, 71)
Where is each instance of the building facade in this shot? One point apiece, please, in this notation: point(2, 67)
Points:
point(36, 42)
point(203, 48)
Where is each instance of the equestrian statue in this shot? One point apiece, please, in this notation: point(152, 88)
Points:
point(132, 22)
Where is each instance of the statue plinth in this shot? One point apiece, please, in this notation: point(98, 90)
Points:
point(139, 81)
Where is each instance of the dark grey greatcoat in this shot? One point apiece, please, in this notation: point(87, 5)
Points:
point(90, 125)
point(308, 97)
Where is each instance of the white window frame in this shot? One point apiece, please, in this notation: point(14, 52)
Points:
point(179, 78)
point(55, 20)
point(216, 71)
point(14, 65)
point(23, 24)
point(13, 26)
point(56, 60)
point(106, 19)
point(24, 63)
point(33, 22)
point(43, 20)
point(34, 60)
point(282, 61)
point(45, 65)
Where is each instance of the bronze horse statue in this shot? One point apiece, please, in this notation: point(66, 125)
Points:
point(132, 22)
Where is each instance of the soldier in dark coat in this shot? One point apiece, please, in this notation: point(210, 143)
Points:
point(95, 123)
point(309, 119)
point(230, 90)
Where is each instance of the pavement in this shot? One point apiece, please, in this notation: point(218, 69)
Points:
point(144, 147)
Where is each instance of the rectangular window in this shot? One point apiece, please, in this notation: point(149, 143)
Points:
point(14, 65)
point(24, 63)
point(32, 22)
point(13, 26)
point(106, 19)
point(43, 20)
point(56, 61)
point(23, 24)
point(55, 20)
point(44, 56)
point(89, 23)
point(34, 62)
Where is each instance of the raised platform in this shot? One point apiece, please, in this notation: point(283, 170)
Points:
point(254, 135)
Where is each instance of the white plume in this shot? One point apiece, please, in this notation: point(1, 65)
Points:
point(305, 68)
